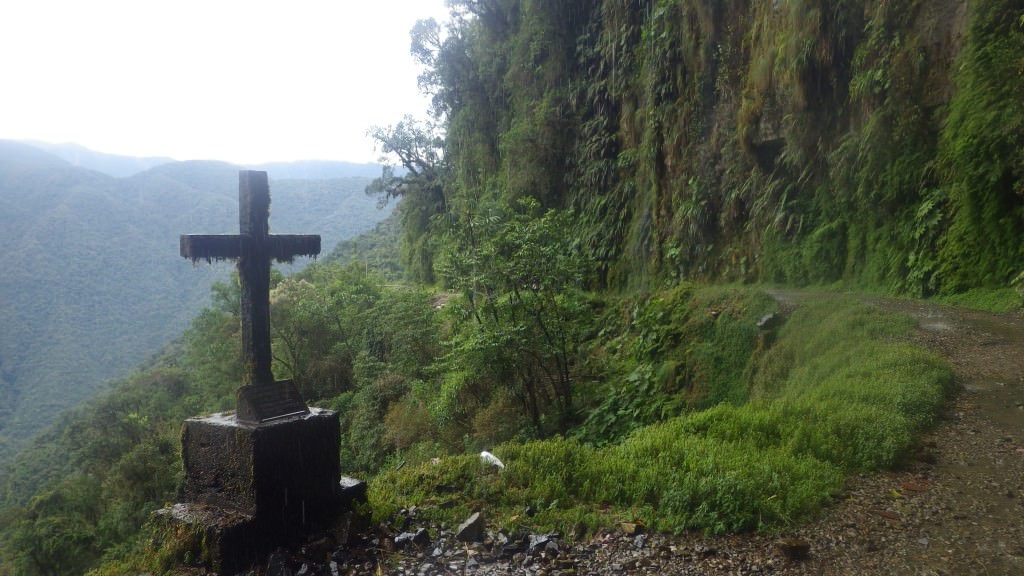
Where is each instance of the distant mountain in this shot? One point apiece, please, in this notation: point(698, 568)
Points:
point(91, 279)
point(111, 164)
point(123, 166)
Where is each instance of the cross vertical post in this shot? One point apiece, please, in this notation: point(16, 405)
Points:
point(260, 399)
point(254, 275)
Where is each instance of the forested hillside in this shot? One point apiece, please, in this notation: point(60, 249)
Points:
point(878, 143)
point(92, 280)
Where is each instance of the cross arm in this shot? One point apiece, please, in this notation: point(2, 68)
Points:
point(281, 247)
point(285, 247)
point(209, 247)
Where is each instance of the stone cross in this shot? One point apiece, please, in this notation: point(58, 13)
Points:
point(254, 248)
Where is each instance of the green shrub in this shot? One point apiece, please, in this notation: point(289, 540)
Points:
point(681, 349)
point(837, 393)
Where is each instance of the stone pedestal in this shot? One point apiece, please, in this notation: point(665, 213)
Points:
point(250, 488)
point(283, 473)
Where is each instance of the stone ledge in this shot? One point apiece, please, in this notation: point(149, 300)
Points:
point(225, 540)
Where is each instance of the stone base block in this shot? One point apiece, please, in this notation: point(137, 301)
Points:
point(283, 473)
point(226, 541)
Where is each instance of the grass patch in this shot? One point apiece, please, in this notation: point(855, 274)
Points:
point(988, 299)
point(840, 391)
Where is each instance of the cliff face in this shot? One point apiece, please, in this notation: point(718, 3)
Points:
point(879, 142)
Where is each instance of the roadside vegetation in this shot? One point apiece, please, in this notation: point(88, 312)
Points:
point(684, 413)
point(839, 392)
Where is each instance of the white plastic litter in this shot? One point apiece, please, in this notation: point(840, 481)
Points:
point(488, 458)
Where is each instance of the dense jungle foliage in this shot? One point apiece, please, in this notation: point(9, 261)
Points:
point(877, 143)
point(588, 167)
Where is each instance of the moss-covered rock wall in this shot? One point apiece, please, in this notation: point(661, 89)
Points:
point(878, 142)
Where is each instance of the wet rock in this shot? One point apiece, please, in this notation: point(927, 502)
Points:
point(404, 518)
point(794, 548)
point(418, 538)
point(351, 490)
point(477, 550)
point(472, 530)
point(511, 549)
point(277, 565)
point(703, 551)
point(539, 542)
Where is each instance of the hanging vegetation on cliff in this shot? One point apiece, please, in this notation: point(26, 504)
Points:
point(802, 141)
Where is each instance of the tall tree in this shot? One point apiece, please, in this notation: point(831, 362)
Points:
point(419, 181)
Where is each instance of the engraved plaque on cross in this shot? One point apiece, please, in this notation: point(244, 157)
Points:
point(261, 398)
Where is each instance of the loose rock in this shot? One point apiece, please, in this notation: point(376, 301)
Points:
point(472, 530)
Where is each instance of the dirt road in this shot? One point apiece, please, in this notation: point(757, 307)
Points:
point(959, 508)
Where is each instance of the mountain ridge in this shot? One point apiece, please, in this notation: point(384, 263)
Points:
point(122, 166)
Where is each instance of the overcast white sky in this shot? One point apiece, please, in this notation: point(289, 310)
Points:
point(240, 81)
